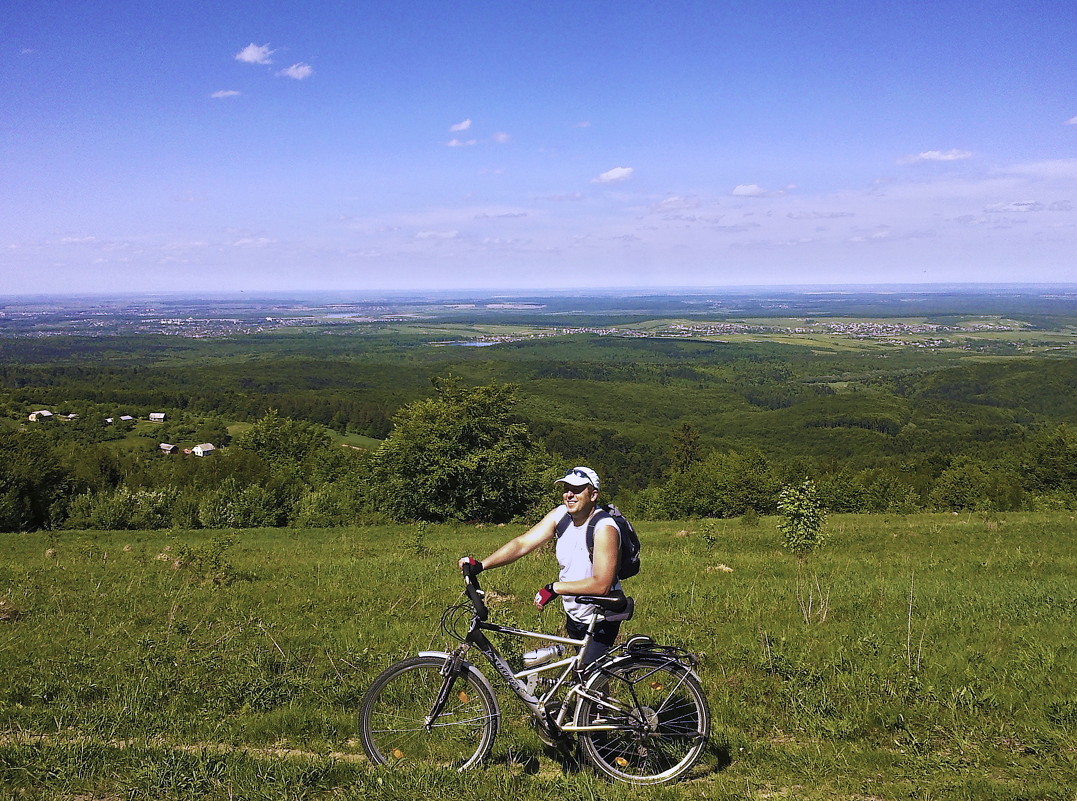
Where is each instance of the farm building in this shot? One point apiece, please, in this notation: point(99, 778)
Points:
point(166, 448)
point(43, 414)
point(205, 449)
point(157, 417)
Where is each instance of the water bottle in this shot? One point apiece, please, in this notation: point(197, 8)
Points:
point(540, 656)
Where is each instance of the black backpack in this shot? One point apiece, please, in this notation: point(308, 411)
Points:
point(628, 559)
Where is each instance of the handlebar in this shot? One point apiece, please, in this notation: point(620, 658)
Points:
point(474, 592)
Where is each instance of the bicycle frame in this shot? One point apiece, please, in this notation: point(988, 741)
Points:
point(571, 673)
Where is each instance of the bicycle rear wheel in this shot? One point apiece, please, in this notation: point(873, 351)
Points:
point(663, 726)
point(392, 718)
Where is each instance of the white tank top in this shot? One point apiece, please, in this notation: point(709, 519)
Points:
point(576, 564)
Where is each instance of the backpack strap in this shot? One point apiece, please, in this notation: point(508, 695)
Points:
point(563, 524)
point(599, 514)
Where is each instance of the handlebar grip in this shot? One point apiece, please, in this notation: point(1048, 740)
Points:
point(474, 593)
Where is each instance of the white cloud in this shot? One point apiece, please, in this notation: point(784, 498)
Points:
point(454, 142)
point(616, 175)
point(437, 235)
point(1071, 121)
point(460, 126)
point(501, 137)
point(571, 196)
point(225, 93)
point(936, 155)
point(818, 215)
point(297, 71)
point(755, 190)
point(1022, 206)
point(255, 54)
point(499, 242)
point(676, 203)
point(583, 124)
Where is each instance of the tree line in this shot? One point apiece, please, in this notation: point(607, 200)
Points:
point(467, 452)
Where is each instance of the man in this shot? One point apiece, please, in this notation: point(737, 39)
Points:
point(582, 573)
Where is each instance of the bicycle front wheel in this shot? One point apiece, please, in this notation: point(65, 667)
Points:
point(658, 718)
point(394, 723)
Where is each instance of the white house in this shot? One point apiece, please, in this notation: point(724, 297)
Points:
point(166, 448)
point(43, 414)
point(205, 449)
point(157, 417)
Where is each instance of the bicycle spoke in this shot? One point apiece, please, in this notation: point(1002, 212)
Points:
point(393, 720)
point(663, 733)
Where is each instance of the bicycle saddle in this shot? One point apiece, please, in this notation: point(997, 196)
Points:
point(616, 605)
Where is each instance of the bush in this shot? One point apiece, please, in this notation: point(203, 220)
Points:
point(236, 506)
point(802, 518)
point(460, 456)
point(722, 485)
point(122, 508)
point(331, 505)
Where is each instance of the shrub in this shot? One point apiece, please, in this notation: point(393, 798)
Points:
point(723, 485)
point(236, 506)
point(123, 508)
point(802, 518)
point(460, 456)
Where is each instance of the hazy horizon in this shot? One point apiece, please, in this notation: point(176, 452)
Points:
point(970, 289)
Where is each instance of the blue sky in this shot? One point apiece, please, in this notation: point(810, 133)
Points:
point(219, 146)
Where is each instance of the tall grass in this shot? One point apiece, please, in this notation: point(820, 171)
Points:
point(186, 664)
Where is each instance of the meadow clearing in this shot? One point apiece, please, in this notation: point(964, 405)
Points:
point(925, 656)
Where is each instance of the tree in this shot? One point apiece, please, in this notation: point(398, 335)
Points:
point(802, 518)
point(461, 455)
point(33, 484)
point(963, 486)
point(801, 522)
point(685, 451)
point(722, 485)
point(280, 440)
point(1051, 462)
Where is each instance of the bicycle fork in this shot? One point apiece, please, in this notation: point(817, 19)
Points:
point(450, 670)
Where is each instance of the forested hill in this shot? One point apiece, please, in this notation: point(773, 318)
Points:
point(886, 421)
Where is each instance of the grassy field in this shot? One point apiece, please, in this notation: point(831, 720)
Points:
point(923, 657)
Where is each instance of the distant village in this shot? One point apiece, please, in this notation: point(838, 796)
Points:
point(896, 333)
point(202, 449)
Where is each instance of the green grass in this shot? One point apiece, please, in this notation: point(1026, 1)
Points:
point(929, 656)
point(354, 440)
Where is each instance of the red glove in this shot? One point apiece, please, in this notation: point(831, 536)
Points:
point(545, 595)
point(473, 563)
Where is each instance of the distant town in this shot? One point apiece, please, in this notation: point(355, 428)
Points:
point(934, 316)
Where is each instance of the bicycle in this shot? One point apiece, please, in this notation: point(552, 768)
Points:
point(638, 714)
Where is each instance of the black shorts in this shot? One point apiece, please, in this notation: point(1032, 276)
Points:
point(605, 636)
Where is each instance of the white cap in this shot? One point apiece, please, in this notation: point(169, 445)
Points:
point(580, 477)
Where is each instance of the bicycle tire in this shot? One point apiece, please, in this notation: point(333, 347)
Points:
point(392, 717)
point(663, 733)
